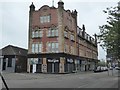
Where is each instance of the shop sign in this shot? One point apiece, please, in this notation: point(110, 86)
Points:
point(33, 60)
point(53, 60)
point(70, 60)
point(84, 62)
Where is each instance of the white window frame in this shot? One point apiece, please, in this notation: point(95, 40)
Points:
point(40, 47)
point(33, 34)
point(33, 48)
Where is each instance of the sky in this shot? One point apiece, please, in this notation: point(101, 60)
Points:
point(14, 18)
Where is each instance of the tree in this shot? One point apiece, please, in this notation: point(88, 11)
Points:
point(109, 35)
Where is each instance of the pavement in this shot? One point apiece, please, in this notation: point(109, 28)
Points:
point(32, 76)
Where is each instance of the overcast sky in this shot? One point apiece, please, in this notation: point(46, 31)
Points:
point(14, 18)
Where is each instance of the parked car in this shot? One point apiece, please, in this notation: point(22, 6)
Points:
point(98, 69)
point(117, 68)
point(104, 68)
point(111, 68)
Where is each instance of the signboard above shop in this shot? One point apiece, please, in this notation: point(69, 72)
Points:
point(70, 60)
point(53, 60)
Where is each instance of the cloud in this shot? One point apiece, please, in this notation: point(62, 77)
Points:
point(15, 24)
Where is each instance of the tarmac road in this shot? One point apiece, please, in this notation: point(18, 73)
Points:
point(74, 80)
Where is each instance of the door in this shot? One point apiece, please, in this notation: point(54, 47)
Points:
point(4, 65)
point(56, 67)
point(31, 68)
point(38, 68)
point(49, 67)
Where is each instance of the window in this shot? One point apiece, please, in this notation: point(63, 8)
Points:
point(40, 47)
point(37, 33)
point(52, 47)
point(33, 34)
point(66, 34)
point(41, 19)
point(52, 32)
point(45, 19)
point(36, 47)
point(72, 37)
point(33, 48)
point(40, 33)
point(48, 18)
point(56, 32)
point(56, 47)
point(49, 33)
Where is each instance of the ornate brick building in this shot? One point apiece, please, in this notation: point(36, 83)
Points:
point(56, 44)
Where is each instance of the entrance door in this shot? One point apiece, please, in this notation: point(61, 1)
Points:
point(56, 67)
point(4, 65)
point(38, 68)
point(31, 68)
point(49, 67)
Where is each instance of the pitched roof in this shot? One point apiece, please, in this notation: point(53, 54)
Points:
point(13, 50)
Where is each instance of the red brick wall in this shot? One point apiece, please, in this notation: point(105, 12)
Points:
point(45, 10)
point(42, 12)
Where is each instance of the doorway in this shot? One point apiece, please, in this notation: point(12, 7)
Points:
point(4, 65)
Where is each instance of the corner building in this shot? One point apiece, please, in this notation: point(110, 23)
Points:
point(56, 44)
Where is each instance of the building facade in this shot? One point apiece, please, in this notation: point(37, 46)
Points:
point(14, 59)
point(56, 44)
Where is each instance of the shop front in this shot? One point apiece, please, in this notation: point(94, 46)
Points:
point(83, 65)
point(69, 65)
point(35, 65)
point(53, 65)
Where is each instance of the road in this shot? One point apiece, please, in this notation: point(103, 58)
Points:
point(74, 80)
